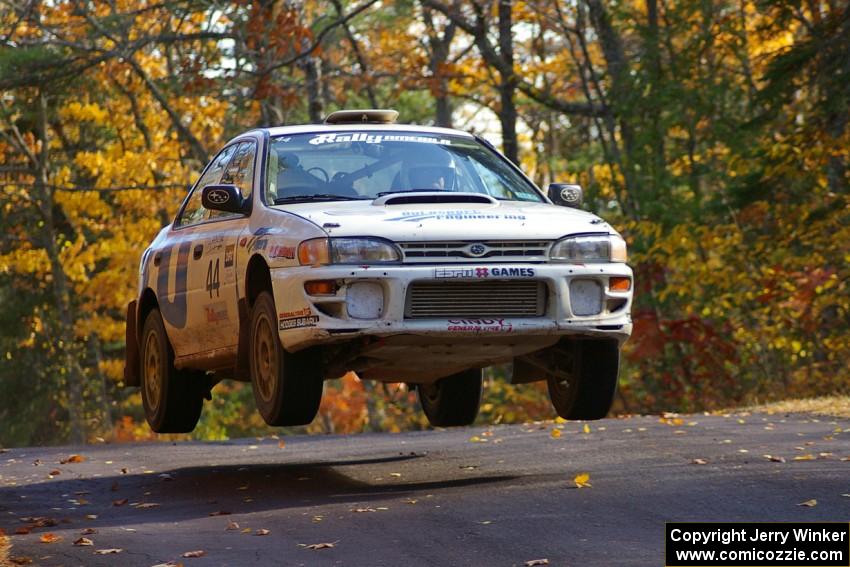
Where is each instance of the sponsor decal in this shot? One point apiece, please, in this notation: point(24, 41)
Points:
point(258, 244)
point(451, 273)
point(243, 241)
point(297, 322)
point(255, 243)
point(335, 138)
point(297, 313)
point(278, 251)
point(215, 312)
point(452, 215)
point(229, 251)
point(480, 325)
point(483, 272)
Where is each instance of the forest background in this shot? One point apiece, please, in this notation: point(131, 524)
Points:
point(713, 133)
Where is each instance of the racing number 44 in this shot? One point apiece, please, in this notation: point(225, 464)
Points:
point(213, 282)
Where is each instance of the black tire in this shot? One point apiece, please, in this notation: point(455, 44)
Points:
point(595, 367)
point(453, 400)
point(172, 398)
point(287, 386)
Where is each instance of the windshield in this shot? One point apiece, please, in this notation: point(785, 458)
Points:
point(365, 165)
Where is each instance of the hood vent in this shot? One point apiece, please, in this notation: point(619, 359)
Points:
point(435, 198)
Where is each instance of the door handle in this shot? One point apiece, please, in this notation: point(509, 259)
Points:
point(198, 252)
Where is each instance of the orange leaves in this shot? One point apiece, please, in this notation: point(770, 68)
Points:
point(49, 538)
point(72, 459)
point(582, 480)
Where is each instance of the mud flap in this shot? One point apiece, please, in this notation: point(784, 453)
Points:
point(131, 353)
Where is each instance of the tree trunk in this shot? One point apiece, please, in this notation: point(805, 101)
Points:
point(71, 368)
point(508, 82)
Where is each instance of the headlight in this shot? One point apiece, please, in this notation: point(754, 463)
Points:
point(320, 251)
point(589, 249)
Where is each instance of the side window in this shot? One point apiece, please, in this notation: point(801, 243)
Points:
point(194, 212)
point(240, 171)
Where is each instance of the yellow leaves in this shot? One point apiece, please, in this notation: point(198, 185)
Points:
point(809, 503)
point(586, 428)
point(582, 480)
point(87, 112)
point(806, 457)
point(555, 434)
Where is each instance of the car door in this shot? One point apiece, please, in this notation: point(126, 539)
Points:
point(213, 295)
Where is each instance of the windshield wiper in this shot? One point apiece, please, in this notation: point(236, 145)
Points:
point(382, 193)
point(318, 197)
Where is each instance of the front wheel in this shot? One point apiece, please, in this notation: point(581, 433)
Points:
point(172, 398)
point(588, 390)
point(287, 387)
point(453, 400)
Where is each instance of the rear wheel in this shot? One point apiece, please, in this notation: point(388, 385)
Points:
point(287, 387)
point(172, 398)
point(587, 392)
point(453, 400)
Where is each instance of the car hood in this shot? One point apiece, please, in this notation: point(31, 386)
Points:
point(502, 220)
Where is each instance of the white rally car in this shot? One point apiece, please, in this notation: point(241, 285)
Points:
point(403, 253)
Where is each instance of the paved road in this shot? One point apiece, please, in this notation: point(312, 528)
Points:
point(474, 496)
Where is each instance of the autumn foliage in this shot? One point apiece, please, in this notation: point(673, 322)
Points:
point(714, 135)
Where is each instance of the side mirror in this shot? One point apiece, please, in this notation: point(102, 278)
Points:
point(225, 198)
point(566, 194)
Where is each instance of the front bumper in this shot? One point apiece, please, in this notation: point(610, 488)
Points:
point(306, 320)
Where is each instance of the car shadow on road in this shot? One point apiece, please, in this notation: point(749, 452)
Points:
point(195, 492)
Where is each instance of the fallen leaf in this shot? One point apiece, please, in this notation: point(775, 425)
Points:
point(49, 538)
point(262, 531)
point(699, 462)
point(119, 502)
point(88, 531)
point(91, 516)
point(586, 430)
point(477, 439)
point(395, 474)
point(111, 551)
point(809, 503)
point(315, 546)
point(555, 433)
point(146, 505)
point(72, 459)
point(21, 560)
point(806, 457)
point(533, 562)
point(83, 541)
point(196, 553)
point(774, 458)
point(55, 472)
point(125, 470)
point(220, 513)
point(411, 501)
point(23, 530)
point(582, 480)
point(232, 526)
point(363, 510)
point(169, 564)
point(281, 444)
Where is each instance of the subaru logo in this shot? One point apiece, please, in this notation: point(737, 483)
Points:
point(218, 196)
point(569, 195)
point(477, 250)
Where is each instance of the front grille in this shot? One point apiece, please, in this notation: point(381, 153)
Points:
point(495, 250)
point(475, 299)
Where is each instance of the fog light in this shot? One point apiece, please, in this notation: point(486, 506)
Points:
point(585, 297)
point(364, 300)
point(619, 284)
point(321, 287)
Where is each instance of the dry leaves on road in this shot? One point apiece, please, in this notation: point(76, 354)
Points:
point(119, 502)
point(586, 428)
point(262, 531)
point(582, 480)
point(88, 531)
point(196, 553)
point(145, 505)
point(110, 551)
point(533, 562)
point(49, 538)
point(316, 546)
point(809, 503)
point(232, 526)
point(83, 542)
point(555, 433)
point(774, 458)
point(72, 459)
point(699, 462)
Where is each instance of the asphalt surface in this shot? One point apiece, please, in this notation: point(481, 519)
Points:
point(491, 496)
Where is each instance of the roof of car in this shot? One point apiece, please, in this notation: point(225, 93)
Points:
point(318, 128)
